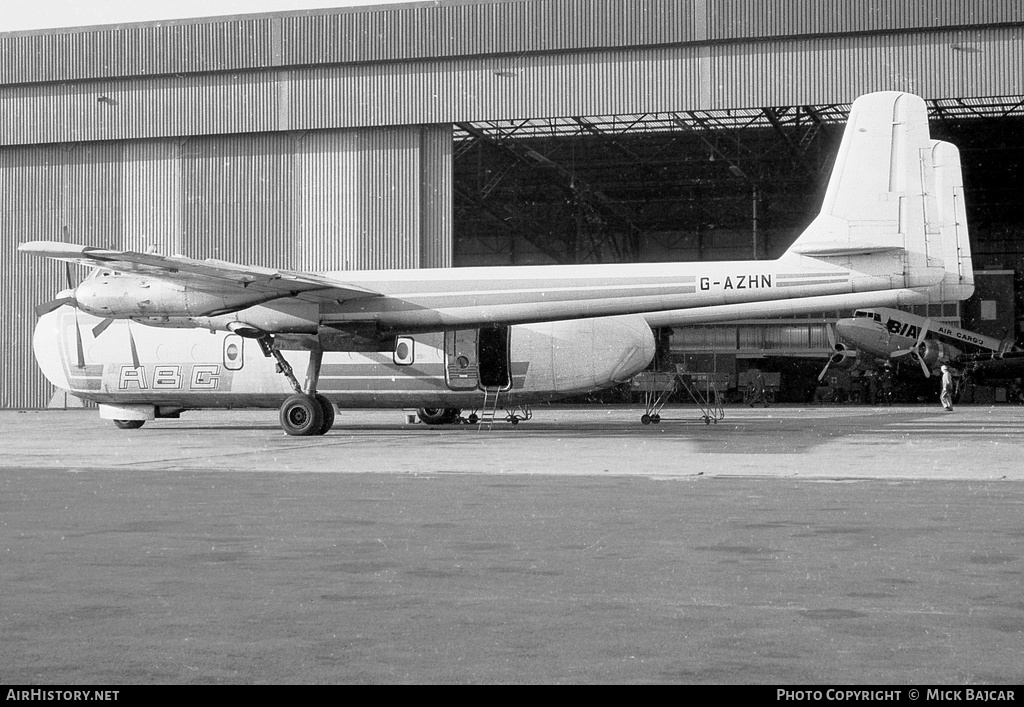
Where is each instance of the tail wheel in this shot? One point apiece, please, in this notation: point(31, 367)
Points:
point(438, 416)
point(302, 416)
point(129, 424)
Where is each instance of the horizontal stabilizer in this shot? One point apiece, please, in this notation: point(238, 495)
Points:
point(825, 250)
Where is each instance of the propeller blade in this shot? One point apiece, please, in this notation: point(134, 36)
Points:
point(924, 366)
point(135, 352)
point(67, 274)
point(101, 327)
point(831, 334)
point(78, 342)
point(825, 369)
point(47, 307)
point(924, 331)
point(901, 352)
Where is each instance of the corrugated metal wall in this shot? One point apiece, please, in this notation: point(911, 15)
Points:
point(486, 28)
point(939, 64)
point(347, 36)
point(168, 48)
point(743, 19)
point(139, 108)
point(341, 199)
point(436, 239)
point(31, 190)
point(413, 33)
point(808, 71)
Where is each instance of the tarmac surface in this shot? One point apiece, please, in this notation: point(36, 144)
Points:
point(845, 545)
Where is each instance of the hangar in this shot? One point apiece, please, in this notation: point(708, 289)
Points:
point(493, 132)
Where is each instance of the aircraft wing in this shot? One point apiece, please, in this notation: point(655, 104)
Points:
point(208, 275)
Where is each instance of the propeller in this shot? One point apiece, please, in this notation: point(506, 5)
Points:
point(67, 297)
point(915, 350)
point(839, 352)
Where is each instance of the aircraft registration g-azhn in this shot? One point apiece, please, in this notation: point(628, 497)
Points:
point(148, 335)
point(875, 337)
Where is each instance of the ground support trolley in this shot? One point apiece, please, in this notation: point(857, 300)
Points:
point(656, 386)
point(701, 388)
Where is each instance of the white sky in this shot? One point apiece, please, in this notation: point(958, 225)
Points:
point(16, 15)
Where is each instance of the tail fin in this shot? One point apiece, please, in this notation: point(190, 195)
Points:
point(951, 219)
point(894, 190)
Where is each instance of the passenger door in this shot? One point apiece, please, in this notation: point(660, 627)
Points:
point(460, 357)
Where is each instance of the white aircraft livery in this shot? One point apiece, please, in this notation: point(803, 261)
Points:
point(891, 231)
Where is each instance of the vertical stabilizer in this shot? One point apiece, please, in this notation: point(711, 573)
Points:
point(877, 200)
point(951, 219)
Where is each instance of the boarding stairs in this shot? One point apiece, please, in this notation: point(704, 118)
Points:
point(489, 408)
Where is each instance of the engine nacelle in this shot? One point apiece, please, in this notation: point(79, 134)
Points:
point(935, 352)
point(130, 296)
point(285, 316)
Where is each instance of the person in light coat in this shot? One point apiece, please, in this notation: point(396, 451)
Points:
point(946, 396)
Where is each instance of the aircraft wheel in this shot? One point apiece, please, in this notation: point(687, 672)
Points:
point(129, 424)
point(328, 410)
point(645, 419)
point(438, 416)
point(656, 419)
point(302, 416)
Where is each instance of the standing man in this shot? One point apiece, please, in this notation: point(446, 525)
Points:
point(946, 396)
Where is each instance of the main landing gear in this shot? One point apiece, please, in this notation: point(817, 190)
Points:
point(306, 413)
point(439, 416)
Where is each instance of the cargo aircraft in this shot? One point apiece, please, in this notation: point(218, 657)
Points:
point(891, 231)
point(874, 337)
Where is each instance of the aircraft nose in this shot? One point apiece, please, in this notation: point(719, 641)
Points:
point(851, 329)
point(49, 345)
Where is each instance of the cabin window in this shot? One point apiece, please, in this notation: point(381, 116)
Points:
point(234, 352)
point(405, 350)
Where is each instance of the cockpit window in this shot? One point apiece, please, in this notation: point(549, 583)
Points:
point(868, 314)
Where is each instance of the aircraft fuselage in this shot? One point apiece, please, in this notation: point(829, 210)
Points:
point(193, 368)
